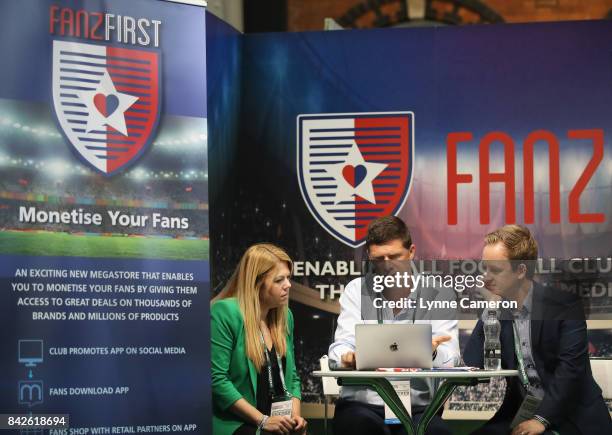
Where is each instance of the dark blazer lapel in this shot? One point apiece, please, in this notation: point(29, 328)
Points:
point(507, 343)
point(537, 314)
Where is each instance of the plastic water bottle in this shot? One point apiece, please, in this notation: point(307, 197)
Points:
point(492, 345)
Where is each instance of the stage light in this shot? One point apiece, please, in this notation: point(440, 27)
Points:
point(139, 174)
point(57, 168)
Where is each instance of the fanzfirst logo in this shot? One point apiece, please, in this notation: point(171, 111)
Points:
point(106, 96)
point(354, 167)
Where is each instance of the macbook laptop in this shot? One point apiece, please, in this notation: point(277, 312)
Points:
point(387, 345)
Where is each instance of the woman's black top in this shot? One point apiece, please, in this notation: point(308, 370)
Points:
point(264, 398)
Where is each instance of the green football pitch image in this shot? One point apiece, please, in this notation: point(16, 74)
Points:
point(111, 246)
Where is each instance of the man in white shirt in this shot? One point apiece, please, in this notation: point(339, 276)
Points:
point(360, 410)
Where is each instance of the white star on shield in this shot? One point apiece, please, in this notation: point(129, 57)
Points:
point(363, 187)
point(106, 91)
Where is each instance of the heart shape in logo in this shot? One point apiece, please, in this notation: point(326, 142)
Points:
point(354, 175)
point(106, 104)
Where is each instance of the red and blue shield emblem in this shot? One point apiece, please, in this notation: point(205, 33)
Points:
point(354, 167)
point(106, 101)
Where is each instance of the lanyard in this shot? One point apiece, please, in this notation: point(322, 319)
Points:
point(379, 315)
point(519, 357)
point(269, 367)
point(379, 310)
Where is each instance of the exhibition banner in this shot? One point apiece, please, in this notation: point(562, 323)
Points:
point(104, 233)
point(457, 131)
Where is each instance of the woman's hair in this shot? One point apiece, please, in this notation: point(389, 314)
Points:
point(245, 285)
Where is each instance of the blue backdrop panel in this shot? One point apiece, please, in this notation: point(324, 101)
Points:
point(491, 84)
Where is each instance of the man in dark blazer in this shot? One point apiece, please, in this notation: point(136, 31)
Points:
point(552, 344)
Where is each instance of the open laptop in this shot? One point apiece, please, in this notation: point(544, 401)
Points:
point(393, 345)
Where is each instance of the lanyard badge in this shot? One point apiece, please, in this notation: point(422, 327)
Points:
point(530, 403)
point(527, 410)
point(402, 388)
point(281, 405)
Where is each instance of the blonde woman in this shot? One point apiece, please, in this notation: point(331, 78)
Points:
point(252, 356)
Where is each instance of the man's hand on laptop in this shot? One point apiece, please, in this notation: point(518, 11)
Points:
point(348, 359)
point(437, 341)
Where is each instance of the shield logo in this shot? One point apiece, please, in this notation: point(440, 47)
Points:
point(354, 167)
point(106, 101)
